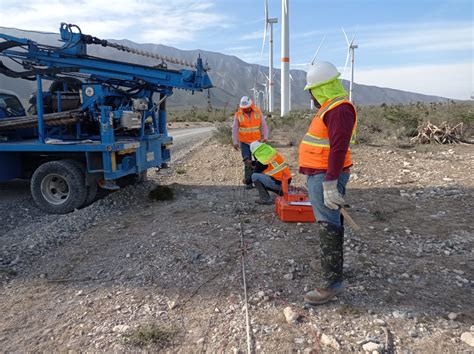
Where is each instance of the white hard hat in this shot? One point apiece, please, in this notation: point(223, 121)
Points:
point(245, 102)
point(254, 146)
point(320, 73)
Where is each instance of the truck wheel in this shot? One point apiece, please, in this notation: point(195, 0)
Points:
point(91, 189)
point(58, 187)
point(91, 194)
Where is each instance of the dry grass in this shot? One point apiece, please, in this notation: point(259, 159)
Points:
point(151, 334)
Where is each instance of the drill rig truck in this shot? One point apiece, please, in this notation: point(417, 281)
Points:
point(100, 122)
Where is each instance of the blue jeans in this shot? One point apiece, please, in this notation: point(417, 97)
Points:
point(245, 150)
point(267, 181)
point(316, 196)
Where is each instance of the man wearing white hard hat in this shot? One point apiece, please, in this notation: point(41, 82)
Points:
point(269, 170)
point(325, 158)
point(249, 125)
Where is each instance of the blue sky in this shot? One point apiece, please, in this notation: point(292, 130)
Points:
point(419, 45)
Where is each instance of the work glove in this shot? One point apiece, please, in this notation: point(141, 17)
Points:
point(236, 147)
point(332, 198)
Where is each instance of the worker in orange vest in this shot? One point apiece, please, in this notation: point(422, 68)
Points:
point(269, 169)
point(249, 125)
point(325, 158)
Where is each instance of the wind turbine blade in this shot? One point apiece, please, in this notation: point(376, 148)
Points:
point(266, 11)
point(264, 30)
point(317, 50)
point(347, 60)
point(354, 36)
point(345, 35)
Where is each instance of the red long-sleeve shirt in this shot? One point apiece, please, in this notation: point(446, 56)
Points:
point(340, 123)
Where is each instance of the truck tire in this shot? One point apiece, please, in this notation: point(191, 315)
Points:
point(91, 189)
point(58, 187)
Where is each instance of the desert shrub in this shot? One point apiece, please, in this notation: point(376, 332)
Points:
point(160, 193)
point(223, 134)
point(151, 334)
point(397, 123)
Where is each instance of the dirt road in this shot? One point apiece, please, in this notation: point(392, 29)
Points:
point(167, 275)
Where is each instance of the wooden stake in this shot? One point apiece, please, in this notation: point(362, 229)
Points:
point(349, 219)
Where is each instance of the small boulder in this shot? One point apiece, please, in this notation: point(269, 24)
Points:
point(372, 347)
point(290, 315)
point(468, 338)
point(330, 341)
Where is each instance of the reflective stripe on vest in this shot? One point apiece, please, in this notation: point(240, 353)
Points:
point(249, 130)
point(276, 168)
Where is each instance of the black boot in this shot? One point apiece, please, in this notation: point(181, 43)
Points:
point(332, 260)
point(248, 176)
point(263, 194)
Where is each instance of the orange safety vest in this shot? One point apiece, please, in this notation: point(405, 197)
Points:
point(314, 148)
point(277, 168)
point(249, 128)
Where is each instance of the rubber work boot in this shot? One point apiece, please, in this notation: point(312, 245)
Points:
point(332, 260)
point(248, 177)
point(265, 198)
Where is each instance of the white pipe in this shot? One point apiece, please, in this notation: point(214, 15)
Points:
point(285, 58)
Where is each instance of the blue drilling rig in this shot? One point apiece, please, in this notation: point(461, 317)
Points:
point(100, 122)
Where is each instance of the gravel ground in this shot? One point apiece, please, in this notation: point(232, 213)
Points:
point(141, 275)
point(28, 232)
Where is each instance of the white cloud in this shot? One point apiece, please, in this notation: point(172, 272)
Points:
point(253, 35)
point(157, 21)
point(447, 80)
point(418, 37)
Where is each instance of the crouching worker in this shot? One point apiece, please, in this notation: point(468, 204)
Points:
point(269, 168)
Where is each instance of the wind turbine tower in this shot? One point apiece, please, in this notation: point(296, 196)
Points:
point(350, 51)
point(285, 58)
point(271, 92)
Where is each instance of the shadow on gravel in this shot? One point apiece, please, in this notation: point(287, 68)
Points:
point(414, 252)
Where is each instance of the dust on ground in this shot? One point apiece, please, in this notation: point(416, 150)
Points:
point(176, 265)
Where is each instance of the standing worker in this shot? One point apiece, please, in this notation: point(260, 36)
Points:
point(325, 157)
point(269, 170)
point(249, 126)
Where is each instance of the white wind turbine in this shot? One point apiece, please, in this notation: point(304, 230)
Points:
point(255, 95)
point(265, 94)
point(269, 22)
point(350, 52)
point(314, 59)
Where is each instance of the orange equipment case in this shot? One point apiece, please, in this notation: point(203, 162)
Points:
point(287, 207)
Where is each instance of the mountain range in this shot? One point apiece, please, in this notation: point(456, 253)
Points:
point(232, 77)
